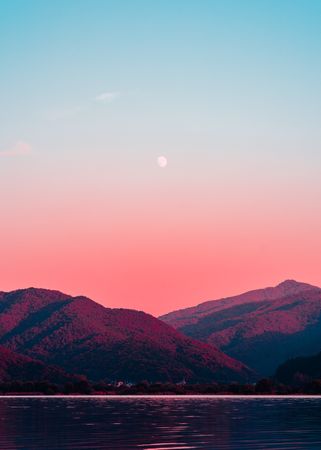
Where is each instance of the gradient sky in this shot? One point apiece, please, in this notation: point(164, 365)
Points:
point(92, 92)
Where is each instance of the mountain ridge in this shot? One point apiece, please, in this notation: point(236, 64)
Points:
point(176, 317)
point(262, 327)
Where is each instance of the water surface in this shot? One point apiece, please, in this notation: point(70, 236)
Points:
point(160, 423)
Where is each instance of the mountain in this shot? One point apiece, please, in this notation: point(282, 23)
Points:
point(262, 328)
point(188, 316)
point(83, 337)
point(16, 367)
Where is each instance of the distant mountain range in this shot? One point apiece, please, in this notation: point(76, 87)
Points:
point(48, 335)
point(40, 328)
point(261, 328)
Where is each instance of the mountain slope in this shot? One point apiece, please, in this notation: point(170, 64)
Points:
point(16, 367)
point(84, 337)
point(262, 328)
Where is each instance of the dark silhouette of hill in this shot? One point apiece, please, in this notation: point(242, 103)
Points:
point(16, 367)
point(299, 370)
point(83, 337)
point(262, 328)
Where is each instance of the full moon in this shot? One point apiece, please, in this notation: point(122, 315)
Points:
point(162, 161)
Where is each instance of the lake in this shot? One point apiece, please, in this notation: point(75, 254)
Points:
point(160, 423)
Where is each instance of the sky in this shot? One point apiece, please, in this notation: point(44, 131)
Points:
point(94, 92)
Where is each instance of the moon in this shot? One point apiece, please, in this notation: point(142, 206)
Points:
point(162, 161)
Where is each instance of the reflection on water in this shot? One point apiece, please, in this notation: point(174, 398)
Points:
point(160, 423)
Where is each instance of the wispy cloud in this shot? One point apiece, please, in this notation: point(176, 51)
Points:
point(107, 97)
point(73, 111)
point(20, 148)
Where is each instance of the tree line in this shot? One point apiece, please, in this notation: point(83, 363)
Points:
point(265, 386)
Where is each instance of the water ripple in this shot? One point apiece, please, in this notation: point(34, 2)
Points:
point(160, 423)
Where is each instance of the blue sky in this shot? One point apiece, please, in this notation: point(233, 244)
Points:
point(179, 66)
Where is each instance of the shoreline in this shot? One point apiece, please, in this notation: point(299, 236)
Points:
point(165, 396)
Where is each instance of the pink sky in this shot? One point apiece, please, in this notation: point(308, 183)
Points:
point(166, 239)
